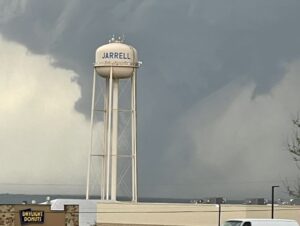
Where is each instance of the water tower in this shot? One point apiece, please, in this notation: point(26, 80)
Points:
point(115, 61)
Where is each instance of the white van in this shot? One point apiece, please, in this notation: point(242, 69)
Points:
point(260, 222)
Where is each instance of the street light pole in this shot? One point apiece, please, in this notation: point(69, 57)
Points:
point(219, 222)
point(273, 188)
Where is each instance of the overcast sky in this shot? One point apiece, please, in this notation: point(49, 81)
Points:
point(217, 90)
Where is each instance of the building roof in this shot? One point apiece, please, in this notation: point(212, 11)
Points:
point(87, 209)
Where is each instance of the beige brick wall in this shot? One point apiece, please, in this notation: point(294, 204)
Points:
point(125, 214)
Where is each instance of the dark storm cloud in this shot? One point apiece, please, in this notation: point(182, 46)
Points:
point(190, 49)
point(215, 40)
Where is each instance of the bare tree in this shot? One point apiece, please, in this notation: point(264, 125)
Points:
point(293, 148)
point(294, 144)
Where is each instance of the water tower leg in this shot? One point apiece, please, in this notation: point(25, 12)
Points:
point(133, 137)
point(104, 149)
point(109, 136)
point(91, 139)
point(114, 148)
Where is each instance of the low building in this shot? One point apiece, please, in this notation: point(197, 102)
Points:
point(38, 214)
point(87, 209)
point(125, 214)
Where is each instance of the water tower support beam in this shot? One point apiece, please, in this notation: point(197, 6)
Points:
point(133, 137)
point(114, 148)
point(104, 156)
point(91, 140)
point(109, 135)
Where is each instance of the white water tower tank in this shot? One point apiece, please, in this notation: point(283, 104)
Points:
point(122, 58)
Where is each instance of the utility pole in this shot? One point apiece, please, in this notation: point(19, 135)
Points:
point(273, 188)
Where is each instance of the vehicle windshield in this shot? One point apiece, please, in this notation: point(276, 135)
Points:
point(233, 223)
